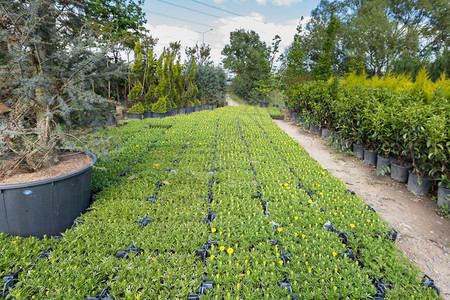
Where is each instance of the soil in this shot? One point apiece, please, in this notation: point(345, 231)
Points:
point(424, 237)
point(68, 162)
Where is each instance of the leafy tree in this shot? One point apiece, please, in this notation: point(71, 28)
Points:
point(249, 58)
point(211, 82)
point(323, 69)
point(51, 75)
point(200, 54)
point(294, 59)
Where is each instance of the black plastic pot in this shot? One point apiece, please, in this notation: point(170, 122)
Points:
point(112, 120)
point(214, 106)
point(135, 116)
point(419, 185)
point(189, 109)
point(400, 173)
point(294, 116)
point(326, 133)
point(182, 111)
point(204, 107)
point(370, 157)
point(311, 127)
point(160, 115)
point(382, 162)
point(346, 145)
point(443, 196)
point(45, 207)
point(148, 114)
point(263, 103)
point(277, 117)
point(358, 151)
point(317, 130)
point(124, 113)
point(174, 112)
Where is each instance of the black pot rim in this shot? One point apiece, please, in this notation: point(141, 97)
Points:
point(53, 179)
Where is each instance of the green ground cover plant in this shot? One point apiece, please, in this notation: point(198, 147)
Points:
point(238, 211)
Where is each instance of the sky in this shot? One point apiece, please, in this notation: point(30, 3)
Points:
point(211, 21)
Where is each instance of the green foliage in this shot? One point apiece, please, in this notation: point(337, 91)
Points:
point(211, 83)
point(119, 20)
point(377, 37)
point(55, 73)
point(392, 115)
point(138, 108)
point(323, 69)
point(249, 58)
point(160, 106)
point(135, 92)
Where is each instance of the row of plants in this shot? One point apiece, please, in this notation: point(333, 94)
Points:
point(269, 222)
point(409, 124)
point(163, 84)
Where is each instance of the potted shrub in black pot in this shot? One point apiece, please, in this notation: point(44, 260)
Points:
point(159, 108)
point(49, 78)
point(136, 111)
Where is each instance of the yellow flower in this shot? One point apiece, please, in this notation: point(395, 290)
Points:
point(309, 201)
point(280, 262)
point(264, 262)
point(334, 287)
point(303, 236)
point(296, 218)
point(138, 297)
point(230, 250)
point(213, 229)
point(212, 256)
point(334, 253)
point(222, 248)
point(53, 261)
point(156, 165)
point(280, 229)
point(75, 266)
point(352, 225)
point(278, 254)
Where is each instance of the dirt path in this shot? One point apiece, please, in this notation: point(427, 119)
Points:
point(424, 236)
point(231, 102)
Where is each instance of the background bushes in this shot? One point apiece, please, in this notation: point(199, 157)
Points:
point(398, 118)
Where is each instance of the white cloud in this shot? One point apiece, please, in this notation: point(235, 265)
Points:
point(262, 2)
point(220, 36)
point(285, 2)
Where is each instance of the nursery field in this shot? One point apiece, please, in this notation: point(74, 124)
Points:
point(216, 204)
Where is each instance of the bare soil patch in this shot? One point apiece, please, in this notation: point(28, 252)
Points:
point(424, 237)
point(68, 162)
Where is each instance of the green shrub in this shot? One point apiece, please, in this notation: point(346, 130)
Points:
point(160, 106)
point(138, 108)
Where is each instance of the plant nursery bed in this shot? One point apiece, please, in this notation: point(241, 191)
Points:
point(220, 204)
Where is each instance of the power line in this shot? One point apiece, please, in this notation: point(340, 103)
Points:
point(187, 8)
point(215, 7)
point(179, 19)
